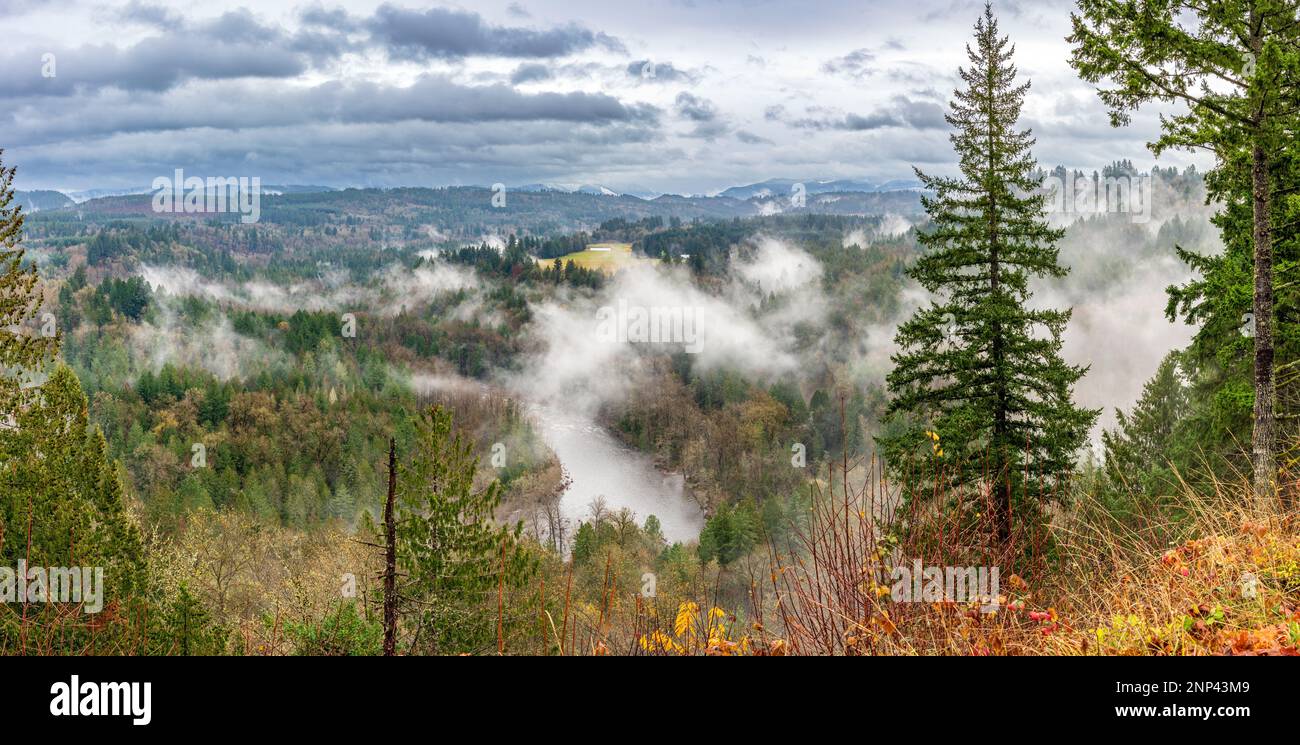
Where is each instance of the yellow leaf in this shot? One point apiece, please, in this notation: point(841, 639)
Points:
point(686, 613)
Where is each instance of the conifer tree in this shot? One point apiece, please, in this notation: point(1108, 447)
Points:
point(22, 349)
point(1139, 451)
point(1235, 66)
point(58, 487)
point(979, 382)
point(448, 547)
point(61, 501)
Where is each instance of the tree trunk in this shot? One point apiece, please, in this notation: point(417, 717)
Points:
point(1001, 454)
point(390, 556)
point(1261, 440)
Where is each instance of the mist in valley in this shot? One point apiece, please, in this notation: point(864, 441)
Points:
point(771, 318)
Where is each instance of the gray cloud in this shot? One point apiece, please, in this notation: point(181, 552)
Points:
point(149, 14)
point(649, 71)
point(234, 45)
point(708, 123)
point(902, 111)
point(749, 138)
point(243, 106)
point(855, 64)
point(337, 92)
point(336, 18)
point(15, 7)
point(530, 72)
point(363, 154)
point(440, 33)
point(695, 108)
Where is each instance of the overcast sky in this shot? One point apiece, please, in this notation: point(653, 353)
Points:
point(686, 96)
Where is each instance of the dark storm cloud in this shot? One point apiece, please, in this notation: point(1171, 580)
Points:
point(511, 93)
point(240, 106)
point(440, 33)
point(234, 45)
point(381, 154)
point(151, 65)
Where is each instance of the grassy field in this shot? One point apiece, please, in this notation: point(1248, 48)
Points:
point(607, 257)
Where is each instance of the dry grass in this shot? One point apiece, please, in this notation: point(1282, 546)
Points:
point(1221, 579)
point(1224, 578)
point(1225, 581)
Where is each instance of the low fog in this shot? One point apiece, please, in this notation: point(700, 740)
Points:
point(395, 288)
point(747, 322)
point(573, 363)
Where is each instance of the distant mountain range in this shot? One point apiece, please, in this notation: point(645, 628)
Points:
point(783, 187)
point(34, 201)
point(468, 212)
point(47, 199)
point(568, 189)
point(776, 187)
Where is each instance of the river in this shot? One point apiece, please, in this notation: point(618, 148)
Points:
point(599, 465)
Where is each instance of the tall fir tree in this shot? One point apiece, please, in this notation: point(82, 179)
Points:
point(983, 392)
point(1235, 66)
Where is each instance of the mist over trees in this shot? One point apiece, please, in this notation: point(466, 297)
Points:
point(1235, 66)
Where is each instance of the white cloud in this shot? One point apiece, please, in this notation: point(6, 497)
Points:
point(575, 363)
